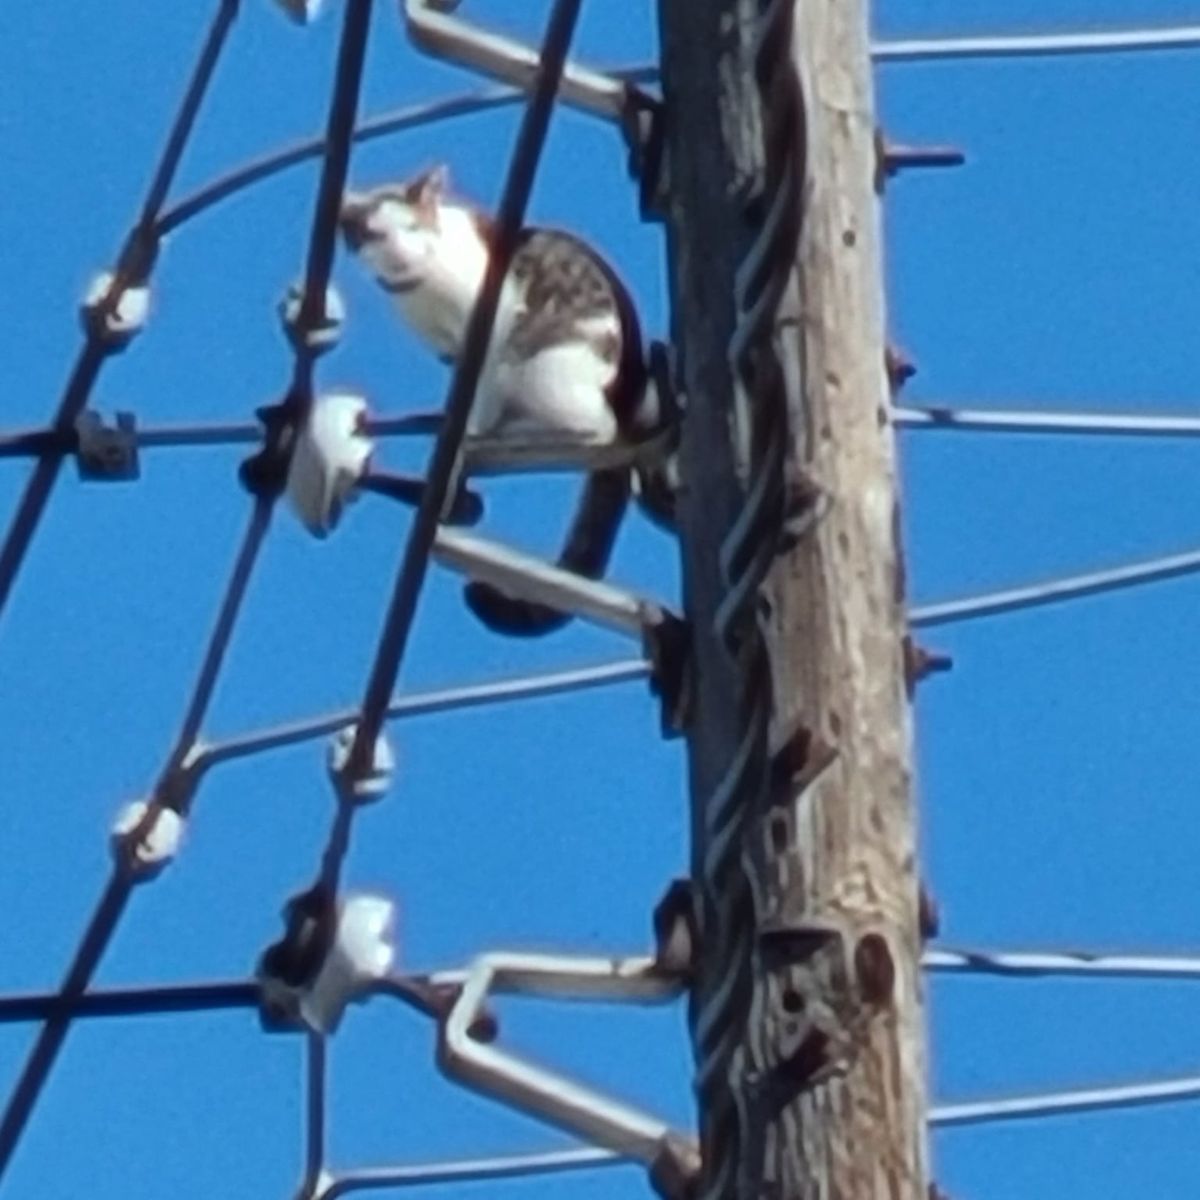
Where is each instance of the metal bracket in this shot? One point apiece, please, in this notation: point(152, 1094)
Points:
point(529, 578)
point(638, 114)
point(643, 122)
point(265, 473)
point(668, 648)
point(292, 963)
point(107, 452)
point(677, 930)
point(542, 1093)
point(433, 30)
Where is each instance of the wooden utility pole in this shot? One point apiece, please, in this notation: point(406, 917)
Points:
point(806, 1010)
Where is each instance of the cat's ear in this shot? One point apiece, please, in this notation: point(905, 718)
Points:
point(433, 186)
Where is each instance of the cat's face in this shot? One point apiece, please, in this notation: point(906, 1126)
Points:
point(398, 229)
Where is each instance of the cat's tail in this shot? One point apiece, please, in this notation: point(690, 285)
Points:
point(587, 550)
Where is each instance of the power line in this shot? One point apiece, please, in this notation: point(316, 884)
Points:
point(987, 420)
point(134, 265)
point(1055, 591)
point(171, 794)
point(1059, 1104)
point(526, 687)
point(1037, 45)
point(1080, 964)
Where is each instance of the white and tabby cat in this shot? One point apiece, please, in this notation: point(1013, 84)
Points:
point(565, 354)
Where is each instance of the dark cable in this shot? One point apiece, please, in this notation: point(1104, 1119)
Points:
point(443, 461)
point(134, 265)
point(169, 792)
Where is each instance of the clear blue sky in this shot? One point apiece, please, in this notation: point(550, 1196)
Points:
point(1058, 765)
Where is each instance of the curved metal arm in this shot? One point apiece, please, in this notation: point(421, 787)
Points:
point(555, 1098)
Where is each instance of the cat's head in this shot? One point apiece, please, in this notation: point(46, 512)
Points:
point(398, 229)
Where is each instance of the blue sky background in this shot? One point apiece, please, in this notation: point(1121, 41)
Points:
point(1058, 765)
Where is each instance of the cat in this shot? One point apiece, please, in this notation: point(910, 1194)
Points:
point(565, 354)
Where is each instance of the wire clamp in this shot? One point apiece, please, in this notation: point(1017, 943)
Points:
point(331, 952)
point(315, 339)
point(370, 783)
point(106, 452)
point(114, 314)
point(265, 473)
point(332, 454)
point(667, 644)
point(146, 836)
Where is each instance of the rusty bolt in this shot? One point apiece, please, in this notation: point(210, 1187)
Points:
point(675, 1171)
point(920, 663)
point(900, 368)
point(929, 917)
point(676, 929)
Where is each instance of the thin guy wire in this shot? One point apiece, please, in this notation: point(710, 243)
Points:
point(134, 265)
point(529, 687)
point(244, 993)
point(471, 1170)
point(123, 878)
point(218, 644)
point(443, 462)
point(1071, 963)
point(939, 418)
point(1058, 1104)
point(998, 420)
point(1036, 45)
point(409, 117)
point(1055, 591)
